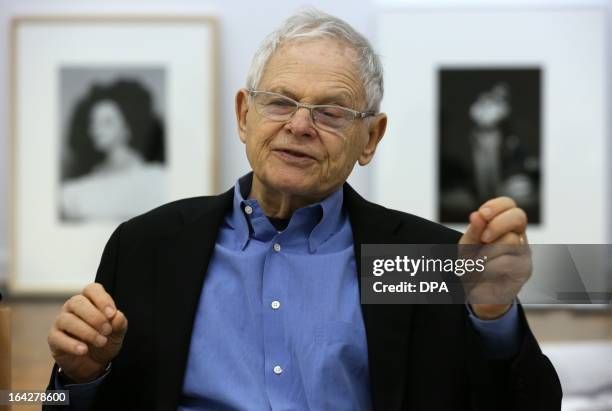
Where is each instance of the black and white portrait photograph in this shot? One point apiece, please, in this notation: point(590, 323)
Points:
point(114, 116)
point(489, 139)
point(113, 156)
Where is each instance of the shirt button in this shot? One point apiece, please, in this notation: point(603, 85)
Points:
point(275, 305)
point(278, 370)
point(248, 209)
point(277, 247)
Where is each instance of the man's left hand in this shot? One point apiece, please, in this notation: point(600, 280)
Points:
point(498, 222)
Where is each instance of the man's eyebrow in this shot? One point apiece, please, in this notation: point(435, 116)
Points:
point(341, 98)
point(284, 92)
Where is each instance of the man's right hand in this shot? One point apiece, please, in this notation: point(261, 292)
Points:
point(87, 334)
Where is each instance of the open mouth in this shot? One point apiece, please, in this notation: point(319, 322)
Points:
point(294, 155)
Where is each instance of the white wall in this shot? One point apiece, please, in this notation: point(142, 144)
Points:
point(242, 25)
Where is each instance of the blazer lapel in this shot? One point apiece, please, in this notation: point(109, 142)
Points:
point(182, 268)
point(387, 326)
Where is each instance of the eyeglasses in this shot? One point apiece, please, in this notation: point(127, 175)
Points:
point(332, 118)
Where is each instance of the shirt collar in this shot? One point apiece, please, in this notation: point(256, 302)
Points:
point(320, 220)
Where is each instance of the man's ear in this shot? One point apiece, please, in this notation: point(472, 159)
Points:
point(376, 131)
point(242, 108)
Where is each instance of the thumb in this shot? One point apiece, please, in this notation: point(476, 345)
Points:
point(474, 231)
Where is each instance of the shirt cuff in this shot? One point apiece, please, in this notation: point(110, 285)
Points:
point(81, 395)
point(501, 338)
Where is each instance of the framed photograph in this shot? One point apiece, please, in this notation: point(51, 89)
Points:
point(111, 117)
point(515, 102)
point(489, 138)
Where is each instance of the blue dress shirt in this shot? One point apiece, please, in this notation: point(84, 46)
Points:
point(279, 323)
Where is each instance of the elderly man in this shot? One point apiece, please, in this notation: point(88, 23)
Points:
point(250, 300)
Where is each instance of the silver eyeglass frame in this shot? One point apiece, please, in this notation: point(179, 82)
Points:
point(310, 107)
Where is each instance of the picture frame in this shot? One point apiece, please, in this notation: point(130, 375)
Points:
point(111, 116)
point(553, 47)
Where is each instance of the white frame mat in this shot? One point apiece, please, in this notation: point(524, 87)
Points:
point(48, 256)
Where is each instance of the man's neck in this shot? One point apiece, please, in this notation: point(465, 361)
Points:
point(276, 203)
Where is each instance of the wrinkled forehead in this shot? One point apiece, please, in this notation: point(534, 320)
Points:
point(320, 63)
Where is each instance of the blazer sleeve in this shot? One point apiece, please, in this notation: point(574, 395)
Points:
point(525, 382)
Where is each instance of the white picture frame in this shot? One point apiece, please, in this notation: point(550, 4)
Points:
point(570, 45)
point(51, 250)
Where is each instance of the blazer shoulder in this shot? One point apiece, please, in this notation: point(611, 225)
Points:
point(436, 232)
point(168, 218)
point(406, 227)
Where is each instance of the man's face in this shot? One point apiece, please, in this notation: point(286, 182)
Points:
point(295, 156)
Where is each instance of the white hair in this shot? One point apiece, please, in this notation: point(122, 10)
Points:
point(313, 24)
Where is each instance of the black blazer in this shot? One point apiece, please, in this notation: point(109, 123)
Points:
point(421, 357)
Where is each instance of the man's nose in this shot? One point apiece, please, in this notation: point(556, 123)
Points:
point(301, 123)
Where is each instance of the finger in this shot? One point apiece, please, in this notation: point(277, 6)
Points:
point(474, 231)
point(61, 343)
point(496, 206)
point(100, 298)
point(512, 220)
point(83, 308)
point(512, 239)
point(120, 325)
point(510, 244)
point(508, 239)
point(80, 330)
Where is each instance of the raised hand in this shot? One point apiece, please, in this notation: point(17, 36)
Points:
point(87, 334)
point(499, 227)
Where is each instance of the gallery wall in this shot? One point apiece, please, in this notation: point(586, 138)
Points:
point(241, 28)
